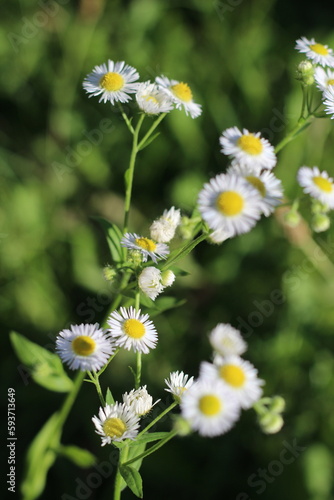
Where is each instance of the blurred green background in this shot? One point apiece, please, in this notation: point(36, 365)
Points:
point(239, 59)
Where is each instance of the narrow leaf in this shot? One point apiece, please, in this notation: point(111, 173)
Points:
point(149, 140)
point(133, 479)
point(82, 458)
point(109, 397)
point(114, 236)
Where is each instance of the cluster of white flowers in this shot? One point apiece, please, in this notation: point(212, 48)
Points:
point(211, 404)
point(115, 81)
point(232, 203)
point(321, 57)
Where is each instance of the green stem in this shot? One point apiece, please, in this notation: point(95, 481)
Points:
point(138, 370)
point(126, 119)
point(167, 410)
point(151, 130)
point(68, 403)
point(188, 247)
point(130, 172)
point(291, 135)
point(153, 448)
point(95, 379)
point(118, 479)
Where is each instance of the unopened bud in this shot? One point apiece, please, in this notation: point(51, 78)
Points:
point(182, 426)
point(277, 404)
point(167, 278)
point(292, 218)
point(271, 423)
point(109, 273)
point(320, 223)
point(305, 72)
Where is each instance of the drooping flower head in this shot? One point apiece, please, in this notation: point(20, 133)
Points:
point(181, 95)
point(132, 330)
point(163, 229)
point(316, 52)
point(84, 347)
point(248, 149)
point(178, 383)
point(229, 203)
point(113, 81)
point(152, 100)
point(116, 422)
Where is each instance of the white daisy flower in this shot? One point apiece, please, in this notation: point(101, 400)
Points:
point(116, 422)
point(113, 81)
point(247, 148)
point(230, 203)
point(178, 383)
point(269, 187)
point(209, 407)
point(84, 347)
point(181, 95)
point(317, 184)
point(146, 246)
point(132, 330)
point(316, 52)
point(239, 377)
point(149, 282)
point(152, 100)
point(227, 340)
point(323, 78)
point(328, 96)
point(163, 229)
point(139, 401)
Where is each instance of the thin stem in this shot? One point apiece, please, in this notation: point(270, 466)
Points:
point(151, 424)
point(130, 172)
point(126, 119)
point(118, 479)
point(95, 379)
point(68, 403)
point(188, 247)
point(138, 370)
point(153, 448)
point(301, 123)
point(151, 130)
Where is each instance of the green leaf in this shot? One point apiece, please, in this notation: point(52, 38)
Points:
point(114, 236)
point(46, 367)
point(40, 458)
point(109, 397)
point(82, 458)
point(148, 438)
point(149, 140)
point(165, 303)
point(133, 479)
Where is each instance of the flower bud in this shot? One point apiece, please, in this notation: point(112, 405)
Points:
point(292, 218)
point(182, 426)
point(320, 223)
point(305, 73)
point(271, 422)
point(109, 273)
point(277, 404)
point(167, 278)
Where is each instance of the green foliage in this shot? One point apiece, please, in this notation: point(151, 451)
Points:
point(80, 457)
point(133, 479)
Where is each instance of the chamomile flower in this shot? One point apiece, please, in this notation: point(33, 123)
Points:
point(146, 246)
point(269, 187)
point(113, 81)
point(324, 78)
point(209, 407)
point(152, 100)
point(227, 340)
point(317, 184)
point(316, 52)
point(178, 383)
point(181, 95)
point(230, 203)
point(149, 282)
point(239, 377)
point(328, 96)
point(132, 330)
point(139, 401)
point(116, 422)
point(163, 229)
point(247, 148)
point(84, 347)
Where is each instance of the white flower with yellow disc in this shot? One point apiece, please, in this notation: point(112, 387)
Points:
point(316, 52)
point(324, 78)
point(113, 81)
point(317, 184)
point(178, 383)
point(152, 100)
point(181, 95)
point(238, 376)
point(116, 422)
point(249, 149)
point(84, 347)
point(209, 407)
point(132, 330)
point(146, 246)
point(230, 203)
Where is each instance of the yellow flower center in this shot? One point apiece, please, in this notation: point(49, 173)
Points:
point(146, 244)
point(112, 81)
point(233, 375)
point(330, 81)
point(257, 183)
point(182, 91)
point(83, 345)
point(152, 99)
point(250, 144)
point(134, 328)
point(114, 427)
point(230, 203)
point(318, 48)
point(323, 184)
point(210, 405)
